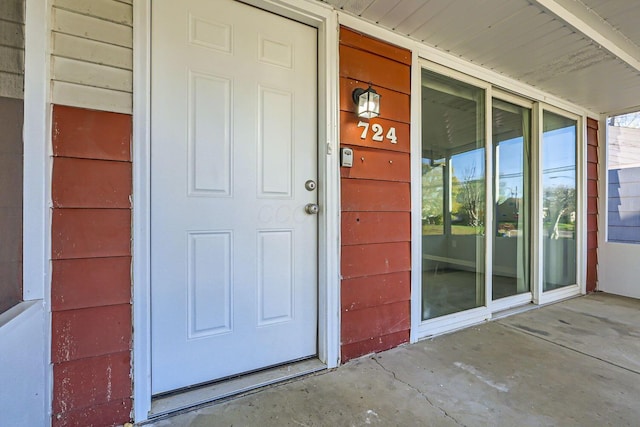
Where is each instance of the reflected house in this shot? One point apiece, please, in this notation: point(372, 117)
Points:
point(508, 210)
point(624, 180)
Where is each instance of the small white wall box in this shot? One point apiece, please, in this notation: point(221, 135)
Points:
point(346, 157)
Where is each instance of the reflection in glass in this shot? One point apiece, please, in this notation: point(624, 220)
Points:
point(512, 154)
point(559, 200)
point(453, 196)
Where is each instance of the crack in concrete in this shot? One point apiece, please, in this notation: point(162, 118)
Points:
point(420, 392)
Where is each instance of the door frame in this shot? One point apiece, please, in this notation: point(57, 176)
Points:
point(325, 20)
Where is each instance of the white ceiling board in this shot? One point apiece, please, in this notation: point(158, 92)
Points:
point(525, 41)
point(378, 8)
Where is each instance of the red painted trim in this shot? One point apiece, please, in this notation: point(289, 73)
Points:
point(379, 165)
point(360, 228)
point(376, 199)
point(371, 259)
point(88, 382)
point(91, 267)
point(89, 332)
point(592, 204)
point(90, 233)
point(364, 66)
point(377, 196)
point(91, 282)
point(372, 291)
point(108, 414)
point(78, 132)
point(349, 37)
point(88, 183)
point(381, 343)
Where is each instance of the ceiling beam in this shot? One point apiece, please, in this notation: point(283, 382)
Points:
point(586, 21)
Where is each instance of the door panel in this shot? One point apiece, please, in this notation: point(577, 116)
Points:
point(512, 198)
point(560, 202)
point(233, 141)
point(453, 196)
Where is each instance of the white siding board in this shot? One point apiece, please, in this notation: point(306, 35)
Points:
point(11, 34)
point(92, 56)
point(11, 85)
point(90, 97)
point(89, 74)
point(74, 47)
point(422, 16)
point(92, 28)
point(108, 10)
point(402, 11)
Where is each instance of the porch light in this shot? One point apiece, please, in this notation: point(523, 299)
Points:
point(368, 101)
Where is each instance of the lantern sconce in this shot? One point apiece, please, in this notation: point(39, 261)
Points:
point(368, 102)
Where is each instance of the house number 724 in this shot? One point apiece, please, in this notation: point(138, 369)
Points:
point(378, 131)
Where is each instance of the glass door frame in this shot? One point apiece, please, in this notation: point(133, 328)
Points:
point(539, 295)
point(526, 297)
point(425, 328)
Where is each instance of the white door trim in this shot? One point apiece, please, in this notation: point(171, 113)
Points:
point(316, 15)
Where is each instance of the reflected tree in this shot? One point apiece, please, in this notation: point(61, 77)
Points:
point(471, 196)
point(560, 202)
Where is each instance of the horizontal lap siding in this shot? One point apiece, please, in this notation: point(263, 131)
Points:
point(91, 267)
point(92, 54)
point(592, 205)
point(12, 18)
point(92, 85)
point(376, 200)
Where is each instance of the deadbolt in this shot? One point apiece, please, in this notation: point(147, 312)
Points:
point(312, 209)
point(310, 185)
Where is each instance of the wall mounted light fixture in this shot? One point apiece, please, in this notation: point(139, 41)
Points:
point(368, 102)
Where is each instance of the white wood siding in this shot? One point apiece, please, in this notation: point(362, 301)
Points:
point(12, 48)
point(92, 54)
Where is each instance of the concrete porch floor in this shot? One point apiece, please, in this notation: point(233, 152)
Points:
point(574, 363)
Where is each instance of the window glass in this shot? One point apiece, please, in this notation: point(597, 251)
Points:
point(512, 199)
point(11, 150)
point(559, 209)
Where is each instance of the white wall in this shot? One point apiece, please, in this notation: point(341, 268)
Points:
point(92, 57)
point(618, 266)
point(22, 373)
point(619, 269)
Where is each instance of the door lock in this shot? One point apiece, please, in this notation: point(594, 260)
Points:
point(312, 209)
point(310, 185)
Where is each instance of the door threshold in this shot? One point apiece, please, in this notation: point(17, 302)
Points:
point(197, 396)
point(501, 314)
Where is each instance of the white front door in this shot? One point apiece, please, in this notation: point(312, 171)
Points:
point(233, 142)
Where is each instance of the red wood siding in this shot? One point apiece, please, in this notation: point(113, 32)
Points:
point(91, 267)
point(376, 200)
point(592, 205)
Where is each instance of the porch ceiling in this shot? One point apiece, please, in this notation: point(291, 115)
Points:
point(584, 51)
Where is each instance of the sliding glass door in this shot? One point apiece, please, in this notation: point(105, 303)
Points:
point(511, 134)
point(499, 201)
point(453, 195)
